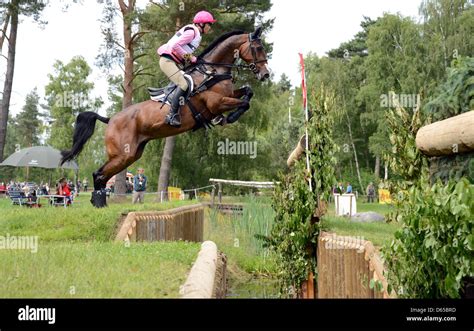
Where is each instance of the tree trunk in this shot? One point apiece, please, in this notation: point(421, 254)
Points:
point(167, 158)
point(355, 152)
point(4, 30)
point(7, 88)
point(165, 168)
point(121, 177)
point(377, 167)
point(386, 172)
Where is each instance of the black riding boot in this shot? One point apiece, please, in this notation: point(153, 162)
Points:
point(173, 118)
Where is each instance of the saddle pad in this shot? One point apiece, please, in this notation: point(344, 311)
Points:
point(161, 94)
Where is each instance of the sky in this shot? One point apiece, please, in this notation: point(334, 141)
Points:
point(301, 26)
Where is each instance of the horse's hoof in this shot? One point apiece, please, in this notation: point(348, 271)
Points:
point(99, 199)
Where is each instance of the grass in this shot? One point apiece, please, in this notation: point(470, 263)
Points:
point(379, 233)
point(97, 270)
point(80, 222)
point(76, 257)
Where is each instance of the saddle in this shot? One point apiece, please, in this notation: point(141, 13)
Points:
point(161, 94)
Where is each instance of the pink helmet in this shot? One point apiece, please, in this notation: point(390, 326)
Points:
point(204, 17)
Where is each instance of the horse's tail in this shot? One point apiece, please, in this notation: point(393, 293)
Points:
point(84, 128)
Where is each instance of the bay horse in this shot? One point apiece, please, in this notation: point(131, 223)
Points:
point(131, 129)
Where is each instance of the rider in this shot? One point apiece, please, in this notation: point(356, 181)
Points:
point(176, 52)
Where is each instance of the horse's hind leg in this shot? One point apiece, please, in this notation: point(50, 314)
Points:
point(104, 173)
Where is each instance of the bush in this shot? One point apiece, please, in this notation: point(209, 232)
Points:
point(432, 255)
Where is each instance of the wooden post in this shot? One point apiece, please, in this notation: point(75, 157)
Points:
point(213, 193)
point(350, 206)
point(310, 286)
point(219, 193)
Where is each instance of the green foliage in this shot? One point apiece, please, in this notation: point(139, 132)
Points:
point(455, 95)
point(452, 167)
point(432, 253)
point(67, 94)
point(28, 123)
point(356, 46)
point(295, 232)
point(405, 159)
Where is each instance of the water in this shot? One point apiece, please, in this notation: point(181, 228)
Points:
point(254, 288)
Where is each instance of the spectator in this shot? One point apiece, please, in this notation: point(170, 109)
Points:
point(64, 190)
point(45, 189)
point(85, 184)
point(33, 199)
point(129, 186)
point(349, 188)
point(139, 186)
point(340, 188)
point(370, 192)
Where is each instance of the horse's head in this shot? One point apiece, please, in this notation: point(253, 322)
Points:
point(252, 52)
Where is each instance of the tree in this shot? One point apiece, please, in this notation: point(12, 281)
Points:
point(67, 94)
point(28, 122)
point(11, 10)
point(448, 26)
point(284, 84)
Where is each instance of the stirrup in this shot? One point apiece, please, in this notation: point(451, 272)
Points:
point(217, 120)
point(173, 120)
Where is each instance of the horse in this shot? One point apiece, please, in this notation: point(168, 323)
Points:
point(129, 130)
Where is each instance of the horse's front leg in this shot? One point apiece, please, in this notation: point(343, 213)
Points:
point(245, 94)
point(227, 103)
point(244, 91)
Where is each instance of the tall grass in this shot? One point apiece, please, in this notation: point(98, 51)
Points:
point(235, 234)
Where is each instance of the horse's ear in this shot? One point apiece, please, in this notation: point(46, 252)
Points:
point(257, 33)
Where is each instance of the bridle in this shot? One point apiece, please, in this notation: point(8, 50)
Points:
point(253, 65)
point(251, 48)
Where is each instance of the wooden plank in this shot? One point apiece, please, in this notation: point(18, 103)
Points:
point(243, 183)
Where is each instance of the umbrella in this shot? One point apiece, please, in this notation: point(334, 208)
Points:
point(38, 156)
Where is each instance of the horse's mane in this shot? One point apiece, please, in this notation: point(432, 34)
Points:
point(219, 40)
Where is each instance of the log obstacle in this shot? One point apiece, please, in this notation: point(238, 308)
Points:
point(346, 267)
point(183, 223)
point(230, 208)
point(207, 278)
point(449, 144)
point(242, 183)
point(454, 135)
point(297, 152)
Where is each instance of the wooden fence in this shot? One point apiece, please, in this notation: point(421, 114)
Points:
point(346, 266)
point(183, 223)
